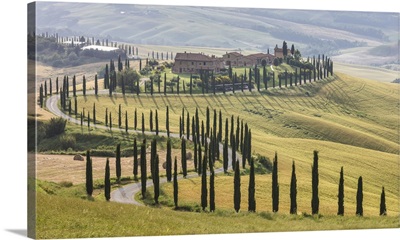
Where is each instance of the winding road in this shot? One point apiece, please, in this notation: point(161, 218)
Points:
point(126, 194)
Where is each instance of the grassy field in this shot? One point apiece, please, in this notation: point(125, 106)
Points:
point(82, 218)
point(352, 122)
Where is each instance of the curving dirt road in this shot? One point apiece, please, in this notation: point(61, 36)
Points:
point(127, 193)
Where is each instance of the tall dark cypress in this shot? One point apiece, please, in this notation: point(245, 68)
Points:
point(252, 188)
point(176, 183)
point(233, 150)
point(207, 130)
point(126, 121)
point(143, 168)
point(168, 163)
point(157, 130)
point(107, 184)
point(382, 208)
point(204, 184)
point(275, 185)
point(94, 113)
point(315, 181)
point(225, 157)
point(187, 126)
point(156, 179)
point(183, 121)
point(135, 120)
point(84, 86)
point(153, 155)
point(74, 86)
point(89, 174)
point(143, 126)
point(183, 156)
point(195, 155)
point(359, 209)
point(118, 162)
point(151, 120)
point(202, 133)
point(237, 134)
point(110, 120)
point(341, 194)
point(220, 126)
point(135, 159)
point(293, 191)
point(236, 184)
point(96, 85)
point(212, 188)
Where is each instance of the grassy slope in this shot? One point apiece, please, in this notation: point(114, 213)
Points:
point(81, 218)
point(339, 118)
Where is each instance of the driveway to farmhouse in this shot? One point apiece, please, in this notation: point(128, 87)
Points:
point(126, 194)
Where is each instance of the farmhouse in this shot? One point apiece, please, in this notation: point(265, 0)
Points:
point(261, 58)
point(196, 62)
point(235, 59)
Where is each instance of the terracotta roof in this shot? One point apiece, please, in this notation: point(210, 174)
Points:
point(234, 54)
point(193, 57)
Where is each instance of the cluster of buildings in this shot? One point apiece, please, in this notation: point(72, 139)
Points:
point(196, 62)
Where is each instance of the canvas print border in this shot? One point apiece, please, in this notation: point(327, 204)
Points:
point(320, 73)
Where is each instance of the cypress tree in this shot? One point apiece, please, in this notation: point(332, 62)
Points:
point(143, 123)
point(233, 150)
point(107, 184)
point(275, 185)
point(143, 168)
point(151, 120)
point(236, 184)
point(220, 126)
point(183, 121)
point(156, 179)
point(237, 134)
point(76, 107)
point(183, 157)
point(74, 86)
point(69, 107)
point(359, 209)
point(207, 122)
point(157, 122)
point(94, 113)
point(89, 174)
point(180, 126)
point(51, 87)
point(153, 158)
point(225, 157)
point(119, 116)
point(57, 85)
point(167, 121)
point(197, 125)
point(175, 183)
point(135, 120)
point(187, 126)
point(341, 194)
point(126, 121)
point(81, 119)
point(165, 83)
point(96, 85)
point(88, 121)
point(84, 86)
point(232, 133)
point(204, 184)
point(169, 160)
point(382, 209)
point(293, 191)
point(41, 95)
point(135, 159)
point(315, 181)
point(118, 162)
point(252, 189)
point(195, 155)
point(212, 189)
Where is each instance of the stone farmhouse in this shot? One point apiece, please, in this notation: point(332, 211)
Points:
point(197, 62)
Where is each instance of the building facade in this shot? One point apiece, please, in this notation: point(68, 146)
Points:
point(196, 62)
